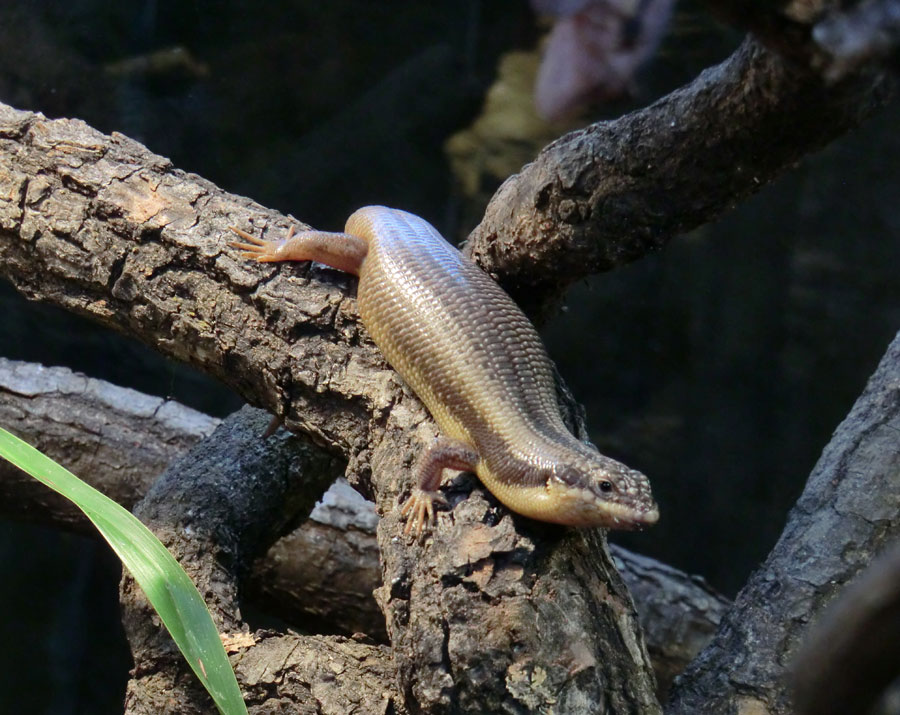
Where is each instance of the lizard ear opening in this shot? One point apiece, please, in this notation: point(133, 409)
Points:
point(570, 476)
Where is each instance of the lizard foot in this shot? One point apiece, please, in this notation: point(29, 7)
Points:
point(259, 249)
point(419, 510)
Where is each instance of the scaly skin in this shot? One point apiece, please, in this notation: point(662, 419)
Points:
point(479, 366)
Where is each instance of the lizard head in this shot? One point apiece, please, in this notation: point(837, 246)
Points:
point(594, 490)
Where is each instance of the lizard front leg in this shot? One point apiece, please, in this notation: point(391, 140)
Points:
point(445, 453)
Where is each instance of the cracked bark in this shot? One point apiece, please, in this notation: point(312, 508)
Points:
point(320, 575)
point(605, 195)
point(494, 613)
point(101, 226)
point(214, 508)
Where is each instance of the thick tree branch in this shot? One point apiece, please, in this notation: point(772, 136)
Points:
point(223, 502)
point(323, 573)
point(103, 227)
point(608, 194)
point(116, 439)
point(849, 509)
point(494, 612)
point(853, 654)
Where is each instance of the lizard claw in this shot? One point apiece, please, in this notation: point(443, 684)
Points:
point(258, 249)
point(419, 510)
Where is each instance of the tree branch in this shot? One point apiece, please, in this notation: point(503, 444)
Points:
point(323, 573)
point(101, 226)
point(494, 612)
point(605, 195)
point(116, 439)
point(849, 509)
point(215, 508)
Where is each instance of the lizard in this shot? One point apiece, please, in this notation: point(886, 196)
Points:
point(476, 361)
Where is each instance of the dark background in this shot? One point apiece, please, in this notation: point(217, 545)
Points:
point(719, 366)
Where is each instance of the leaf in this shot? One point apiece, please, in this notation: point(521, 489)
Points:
point(168, 588)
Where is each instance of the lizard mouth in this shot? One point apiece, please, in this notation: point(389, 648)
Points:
point(623, 518)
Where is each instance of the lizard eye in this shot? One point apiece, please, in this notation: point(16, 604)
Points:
point(606, 486)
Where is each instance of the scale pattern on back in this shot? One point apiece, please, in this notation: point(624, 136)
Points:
point(457, 339)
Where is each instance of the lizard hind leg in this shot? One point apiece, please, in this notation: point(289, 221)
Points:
point(444, 454)
point(342, 251)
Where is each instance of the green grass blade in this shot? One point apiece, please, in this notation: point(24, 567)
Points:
point(167, 586)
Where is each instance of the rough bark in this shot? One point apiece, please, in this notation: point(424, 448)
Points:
point(849, 509)
point(216, 507)
point(101, 226)
point(493, 613)
point(853, 654)
point(678, 613)
point(322, 574)
point(605, 195)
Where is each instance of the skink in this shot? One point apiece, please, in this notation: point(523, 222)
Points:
point(478, 364)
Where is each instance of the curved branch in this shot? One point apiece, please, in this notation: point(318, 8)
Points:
point(606, 195)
